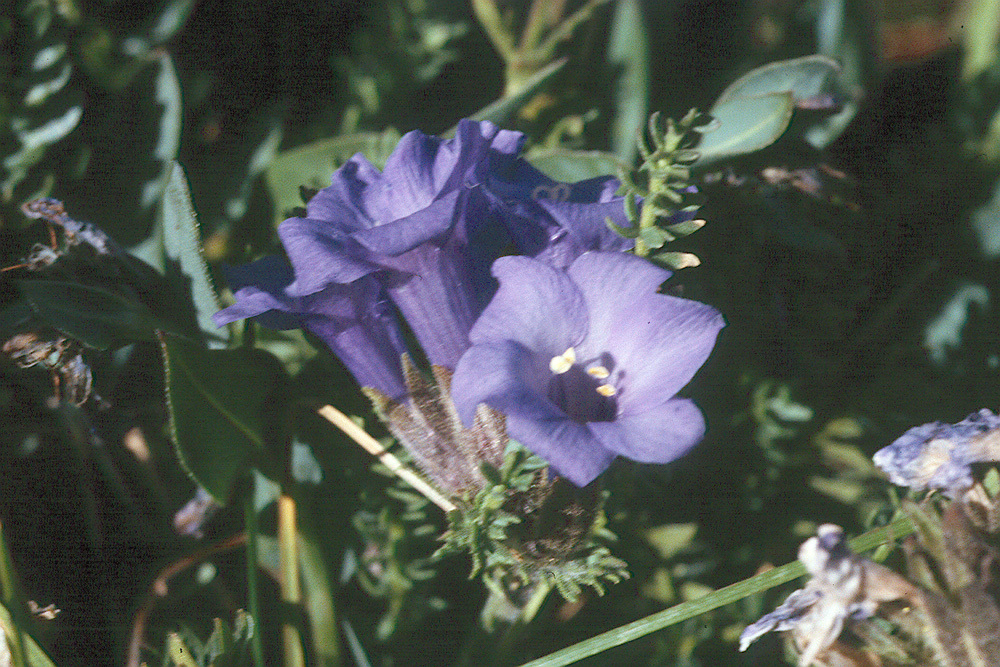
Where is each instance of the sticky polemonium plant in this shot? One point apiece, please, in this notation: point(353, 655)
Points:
point(585, 363)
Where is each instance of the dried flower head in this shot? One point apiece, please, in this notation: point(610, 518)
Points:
point(844, 588)
point(939, 456)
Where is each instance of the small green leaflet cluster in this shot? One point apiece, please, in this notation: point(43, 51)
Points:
point(227, 646)
point(523, 529)
point(390, 565)
point(663, 183)
point(40, 109)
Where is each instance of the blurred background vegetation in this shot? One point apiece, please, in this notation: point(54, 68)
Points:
point(854, 258)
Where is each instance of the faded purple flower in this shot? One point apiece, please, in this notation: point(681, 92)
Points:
point(939, 455)
point(844, 588)
point(585, 363)
point(354, 320)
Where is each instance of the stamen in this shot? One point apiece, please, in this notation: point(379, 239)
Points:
point(563, 362)
point(607, 390)
point(599, 372)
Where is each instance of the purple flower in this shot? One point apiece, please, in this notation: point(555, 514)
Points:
point(557, 222)
point(354, 320)
point(432, 222)
point(585, 363)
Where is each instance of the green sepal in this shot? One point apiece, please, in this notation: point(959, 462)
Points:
point(516, 531)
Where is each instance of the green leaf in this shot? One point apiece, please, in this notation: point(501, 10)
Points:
point(219, 403)
point(313, 165)
point(96, 317)
point(167, 94)
point(14, 315)
point(20, 647)
point(844, 34)
point(168, 20)
point(746, 125)
point(803, 78)
point(570, 166)
point(628, 49)
point(670, 539)
point(35, 654)
point(183, 264)
point(41, 104)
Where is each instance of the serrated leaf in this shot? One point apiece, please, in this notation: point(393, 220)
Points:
point(218, 401)
point(313, 165)
point(628, 49)
point(746, 125)
point(95, 317)
point(183, 264)
point(570, 166)
point(804, 78)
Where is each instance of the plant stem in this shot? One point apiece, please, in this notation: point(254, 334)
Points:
point(253, 597)
point(682, 612)
point(291, 588)
point(12, 601)
point(489, 18)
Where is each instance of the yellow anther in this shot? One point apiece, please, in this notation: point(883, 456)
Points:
point(562, 363)
point(607, 390)
point(599, 372)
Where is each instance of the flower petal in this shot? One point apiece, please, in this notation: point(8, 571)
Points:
point(584, 229)
point(435, 295)
point(259, 291)
point(510, 378)
point(536, 305)
point(321, 255)
point(658, 435)
point(659, 341)
point(371, 355)
point(427, 225)
point(351, 319)
point(352, 196)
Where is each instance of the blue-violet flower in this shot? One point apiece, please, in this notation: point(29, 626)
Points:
point(431, 223)
point(585, 362)
point(354, 320)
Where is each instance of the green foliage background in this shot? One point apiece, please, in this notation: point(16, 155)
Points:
point(140, 115)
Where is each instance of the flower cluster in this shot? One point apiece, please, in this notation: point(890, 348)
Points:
point(576, 348)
